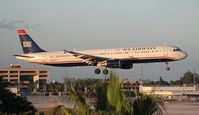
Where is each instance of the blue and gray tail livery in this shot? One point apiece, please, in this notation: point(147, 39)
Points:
point(28, 45)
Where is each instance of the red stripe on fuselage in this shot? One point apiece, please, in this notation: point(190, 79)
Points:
point(155, 57)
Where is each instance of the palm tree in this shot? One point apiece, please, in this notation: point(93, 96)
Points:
point(111, 100)
point(117, 101)
point(62, 110)
point(80, 106)
point(148, 105)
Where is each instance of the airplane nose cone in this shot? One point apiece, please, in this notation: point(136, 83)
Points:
point(184, 55)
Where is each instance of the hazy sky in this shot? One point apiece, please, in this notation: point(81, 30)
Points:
point(94, 24)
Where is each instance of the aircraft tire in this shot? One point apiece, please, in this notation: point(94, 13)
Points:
point(105, 71)
point(168, 68)
point(97, 71)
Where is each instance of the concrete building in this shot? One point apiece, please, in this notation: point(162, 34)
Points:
point(167, 90)
point(172, 92)
point(130, 85)
point(25, 79)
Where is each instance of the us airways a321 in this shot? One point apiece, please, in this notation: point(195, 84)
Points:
point(122, 58)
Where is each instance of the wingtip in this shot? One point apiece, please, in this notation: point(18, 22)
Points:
point(21, 32)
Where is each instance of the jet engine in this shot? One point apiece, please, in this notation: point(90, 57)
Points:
point(122, 64)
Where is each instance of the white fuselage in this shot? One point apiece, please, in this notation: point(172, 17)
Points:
point(136, 55)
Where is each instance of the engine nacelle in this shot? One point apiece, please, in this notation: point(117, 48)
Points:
point(122, 64)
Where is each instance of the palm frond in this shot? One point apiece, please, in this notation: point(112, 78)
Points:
point(80, 104)
point(117, 100)
point(114, 93)
point(148, 105)
point(62, 110)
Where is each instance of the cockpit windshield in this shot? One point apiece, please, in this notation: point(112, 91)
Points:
point(177, 49)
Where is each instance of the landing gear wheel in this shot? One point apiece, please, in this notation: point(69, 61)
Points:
point(105, 71)
point(168, 68)
point(97, 71)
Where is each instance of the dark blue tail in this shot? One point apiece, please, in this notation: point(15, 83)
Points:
point(28, 45)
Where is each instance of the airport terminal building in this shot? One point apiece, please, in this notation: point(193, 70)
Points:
point(25, 79)
point(179, 93)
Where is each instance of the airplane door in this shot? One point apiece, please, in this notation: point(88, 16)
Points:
point(44, 58)
point(165, 51)
point(131, 54)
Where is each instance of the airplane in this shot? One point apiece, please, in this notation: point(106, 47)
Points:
point(122, 58)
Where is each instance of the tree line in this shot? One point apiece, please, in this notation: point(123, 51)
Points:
point(79, 84)
point(187, 78)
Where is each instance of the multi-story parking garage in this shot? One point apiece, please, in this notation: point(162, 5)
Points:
point(25, 79)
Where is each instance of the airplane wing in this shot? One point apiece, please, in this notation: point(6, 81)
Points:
point(90, 59)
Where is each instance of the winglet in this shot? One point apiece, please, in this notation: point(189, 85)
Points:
point(21, 32)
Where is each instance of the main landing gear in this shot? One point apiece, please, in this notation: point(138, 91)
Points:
point(167, 66)
point(104, 71)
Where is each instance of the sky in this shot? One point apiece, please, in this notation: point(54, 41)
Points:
point(95, 24)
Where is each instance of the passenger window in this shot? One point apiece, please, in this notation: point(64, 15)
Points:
point(176, 49)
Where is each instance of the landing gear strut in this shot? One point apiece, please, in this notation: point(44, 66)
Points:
point(167, 67)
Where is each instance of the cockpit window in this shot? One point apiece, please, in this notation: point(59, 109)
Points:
point(177, 49)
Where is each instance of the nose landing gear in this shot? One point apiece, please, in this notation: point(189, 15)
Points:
point(167, 66)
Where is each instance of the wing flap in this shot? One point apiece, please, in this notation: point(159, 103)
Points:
point(90, 59)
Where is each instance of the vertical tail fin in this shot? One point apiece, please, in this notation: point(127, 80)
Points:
point(27, 44)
